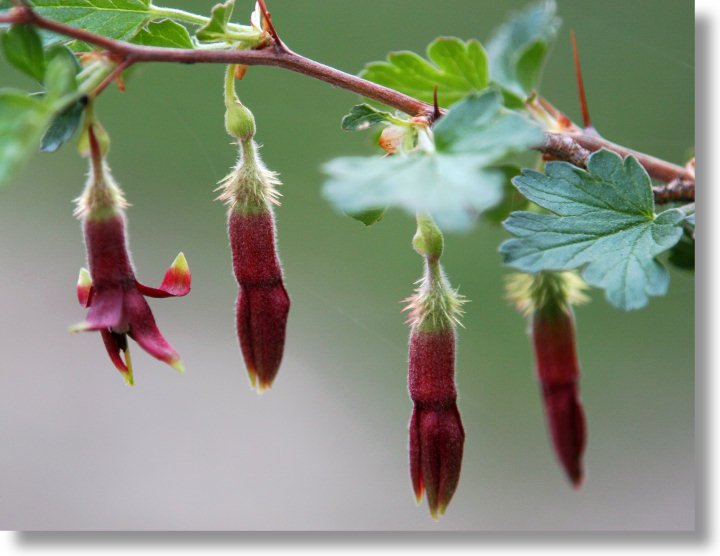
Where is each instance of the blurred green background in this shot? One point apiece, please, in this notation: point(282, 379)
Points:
point(326, 448)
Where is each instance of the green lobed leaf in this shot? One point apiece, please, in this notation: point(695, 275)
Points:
point(216, 28)
point(518, 48)
point(165, 33)
point(454, 183)
point(456, 67)
point(22, 122)
point(23, 49)
point(603, 222)
point(115, 19)
point(364, 116)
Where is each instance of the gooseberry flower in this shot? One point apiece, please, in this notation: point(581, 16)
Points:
point(262, 303)
point(547, 297)
point(436, 432)
point(116, 302)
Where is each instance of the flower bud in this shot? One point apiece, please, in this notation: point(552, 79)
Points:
point(436, 432)
point(548, 297)
point(262, 303)
point(239, 121)
point(428, 240)
point(553, 335)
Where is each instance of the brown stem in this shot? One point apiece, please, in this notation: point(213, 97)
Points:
point(571, 147)
point(277, 54)
point(115, 74)
point(267, 56)
point(656, 167)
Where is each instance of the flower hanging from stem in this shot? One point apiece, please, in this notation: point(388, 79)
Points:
point(262, 303)
point(436, 431)
point(547, 297)
point(116, 300)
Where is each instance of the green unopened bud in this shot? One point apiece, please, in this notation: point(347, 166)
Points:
point(239, 121)
point(428, 239)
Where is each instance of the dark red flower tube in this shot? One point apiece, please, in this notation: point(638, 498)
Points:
point(262, 303)
point(553, 335)
point(436, 432)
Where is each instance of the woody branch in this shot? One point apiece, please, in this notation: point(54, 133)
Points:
point(563, 145)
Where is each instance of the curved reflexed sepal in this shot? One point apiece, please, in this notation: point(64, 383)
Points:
point(84, 288)
point(176, 283)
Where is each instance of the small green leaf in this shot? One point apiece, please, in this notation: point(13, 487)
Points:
point(368, 217)
point(603, 222)
point(364, 116)
point(454, 183)
point(23, 49)
point(63, 127)
point(517, 49)
point(216, 28)
point(115, 19)
point(164, 33)
point(22, 121)
point(457, 68)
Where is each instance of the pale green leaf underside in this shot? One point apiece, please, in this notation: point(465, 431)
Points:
point(603, 222)
point(456, 67)
point(22, 122)
point(453, 189)
point(454, 184)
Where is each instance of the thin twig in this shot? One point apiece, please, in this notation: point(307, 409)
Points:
point(121, 67)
